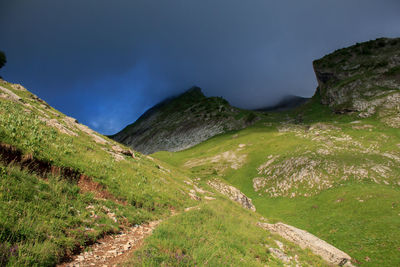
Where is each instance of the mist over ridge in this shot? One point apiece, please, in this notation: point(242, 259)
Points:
point(109, 67)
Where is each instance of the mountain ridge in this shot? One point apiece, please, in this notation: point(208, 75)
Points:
point(331, 166)
point(163, 127)
point(63, 187)
point(327, 167)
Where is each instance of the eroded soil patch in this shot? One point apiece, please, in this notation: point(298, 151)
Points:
point(10, 155)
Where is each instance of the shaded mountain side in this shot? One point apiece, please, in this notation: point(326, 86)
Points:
point(182, 122)
point(286, 103)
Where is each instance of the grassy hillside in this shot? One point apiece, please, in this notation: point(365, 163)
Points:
point(336, 176)
point(220, 233)
point(330, 168)
point(42, 212)
point(63, 186)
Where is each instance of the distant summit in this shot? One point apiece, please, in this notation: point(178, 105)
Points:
point(286, 103)
point(183, 121)
point(194, 91)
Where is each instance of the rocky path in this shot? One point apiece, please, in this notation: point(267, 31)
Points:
point(113, 250)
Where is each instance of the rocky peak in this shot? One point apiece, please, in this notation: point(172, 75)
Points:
point(363, 78)
point(194, 92)
point(184, 121)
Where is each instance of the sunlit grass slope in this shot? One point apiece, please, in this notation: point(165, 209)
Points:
point(44, 219)
point(48, 213)
point(336, 176)
point(218, 233)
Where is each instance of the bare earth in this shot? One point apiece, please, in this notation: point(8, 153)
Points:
point(113, 250)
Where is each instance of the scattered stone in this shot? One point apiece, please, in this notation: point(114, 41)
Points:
point(233, 193)
point(194, 196)
point(279, 254)
point(18, 87)
point(192, 208)
point(226, 159)
point(38, 109)
point(264, 167)
point(121, 150)
point(362, 127)
point(8, 94)
point(56, 124)
point(117, 157)
point(323, 127)
point(391, 156)
point(259, 183)
point(323, 151)
point(200, 190)
point(280, 244)
point(188, 182)
point(92, 133)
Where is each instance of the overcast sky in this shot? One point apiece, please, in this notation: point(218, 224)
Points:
point(105, 62)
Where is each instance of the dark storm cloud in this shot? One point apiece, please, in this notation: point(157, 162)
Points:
point(104, 62)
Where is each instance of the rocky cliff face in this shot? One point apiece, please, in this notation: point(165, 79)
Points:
point(364, 78)
point(182, 122)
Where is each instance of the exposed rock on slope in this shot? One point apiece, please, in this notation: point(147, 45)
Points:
point(307, 240)
point(182, 122)
point(233, 193)
point(364, 78)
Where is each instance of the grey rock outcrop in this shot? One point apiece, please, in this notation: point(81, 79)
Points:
point(306, 240)
point(233, 193)
point(364, 78)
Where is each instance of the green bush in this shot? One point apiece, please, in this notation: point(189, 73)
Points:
point(393, 71)
point(3, 59)
point(251, 117)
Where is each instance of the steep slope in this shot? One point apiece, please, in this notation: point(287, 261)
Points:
point(182, 122)
point(364, 79)
point(334, 174)
point(64, 186)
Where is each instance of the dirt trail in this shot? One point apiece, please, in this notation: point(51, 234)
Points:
point(113, 250)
